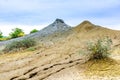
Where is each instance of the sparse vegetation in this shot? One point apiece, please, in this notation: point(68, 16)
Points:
point(100, 48)
point(4, 38)
point(31, 49)
point(20, 45)
point(1, 36)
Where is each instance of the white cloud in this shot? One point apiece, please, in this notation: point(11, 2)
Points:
point(30, 5)
point(31, 12)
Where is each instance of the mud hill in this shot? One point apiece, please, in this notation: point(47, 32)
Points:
point(62, 59)
point(56, 30)
point(58, 26)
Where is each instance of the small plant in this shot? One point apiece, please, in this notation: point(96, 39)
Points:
point(31, 49)
point(34, 31)
point(100, 48)
point(20, 45)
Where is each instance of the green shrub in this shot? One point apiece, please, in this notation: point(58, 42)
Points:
point(16, 33)
point(100, 48)
point(20, 45)
point(33, 31)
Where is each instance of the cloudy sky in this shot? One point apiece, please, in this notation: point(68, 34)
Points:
point(30, 14)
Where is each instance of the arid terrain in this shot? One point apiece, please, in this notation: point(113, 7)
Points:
point(59, 57)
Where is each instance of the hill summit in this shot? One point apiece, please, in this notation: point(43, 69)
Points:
point(59, 20)
point(57, 26)
point(85, 26)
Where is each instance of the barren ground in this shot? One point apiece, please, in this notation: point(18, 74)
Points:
point(63, 61)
